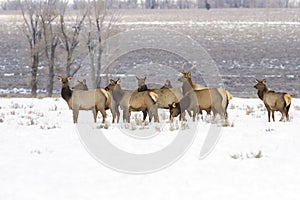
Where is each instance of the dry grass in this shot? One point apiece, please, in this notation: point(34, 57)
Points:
point(296, 107)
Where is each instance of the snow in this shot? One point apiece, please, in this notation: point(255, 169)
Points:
point(42, 157)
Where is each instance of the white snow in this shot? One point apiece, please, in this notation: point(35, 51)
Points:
point(41, 157)
point(9, 74)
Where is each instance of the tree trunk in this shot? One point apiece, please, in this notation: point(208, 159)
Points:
point(51, 72)
point(99, 67)
point(93, 74)
point(34, 69)
point(69, 64)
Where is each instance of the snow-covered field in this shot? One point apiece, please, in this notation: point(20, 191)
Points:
point(42, 157)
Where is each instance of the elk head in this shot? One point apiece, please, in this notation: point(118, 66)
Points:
point(183, 79)
point(188, 73)
point(112, 84)
point(81, 85)
point(260, 85)
point(64, 80)
point(141, 81)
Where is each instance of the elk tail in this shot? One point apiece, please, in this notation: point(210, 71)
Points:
point(153, 96)
point(287, 99)
point(229, 96)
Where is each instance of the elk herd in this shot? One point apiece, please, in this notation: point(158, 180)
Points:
point(190, 97)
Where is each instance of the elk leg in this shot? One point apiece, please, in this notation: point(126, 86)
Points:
point(182, 116)
point(282, 116)
point(190, 113)
point(286, 112)
point(269, 115)
point(273, 115)
point(75, 115)
point(195, 111)
point(171, 118)
point(95, 111)
point(102, 110)
point(117, 113)
point(145, 115)
point(154, 113)
point(124, 115)
point(128, 113)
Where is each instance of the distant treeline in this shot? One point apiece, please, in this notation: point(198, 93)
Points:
point(174, 4)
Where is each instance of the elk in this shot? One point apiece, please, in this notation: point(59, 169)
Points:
point(167, 85)
point(130, 100)
point(165, 95)
point(188, 75)
point(224, 93)
point(95, 100)
point(195, 100)
point(274, 101)
point(81, 85)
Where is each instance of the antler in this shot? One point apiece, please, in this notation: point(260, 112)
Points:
point(194, 65)
point(182, 67)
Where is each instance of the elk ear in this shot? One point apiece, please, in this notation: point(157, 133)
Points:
point(69, 78)
point(118, 81)
point(257, 81)
point(145, 78)
point(84, 81)
point(137, 78)
point(264, 81)
point(59, 78)
point(182, 67)
point(174, 105)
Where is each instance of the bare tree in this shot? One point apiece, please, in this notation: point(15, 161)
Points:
point(10, 5)
point(98, 31)
point(287, 3)
point(32, 29)
point(70, 38)
point(49, 12)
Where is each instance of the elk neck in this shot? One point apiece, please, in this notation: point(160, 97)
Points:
point(117, 93)
point(261, 92)
point(142, 88)
point(66, 93)
point(186, 87)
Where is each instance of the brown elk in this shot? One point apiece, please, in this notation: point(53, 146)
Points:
point(274, 101)
point(130, 100)
point(165, 95)
point(195, 100)
point(167, 85)
point(188, 75)
point(224, 93)
point(95, 100)
point(81, 85)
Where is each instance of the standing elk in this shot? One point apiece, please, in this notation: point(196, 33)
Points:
point(167, 85)
point(274, 101)
point(224, 93)
point(81, 85)
point(95, 100)
point(130, 100)
point(195, 100)
point(165, 95)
